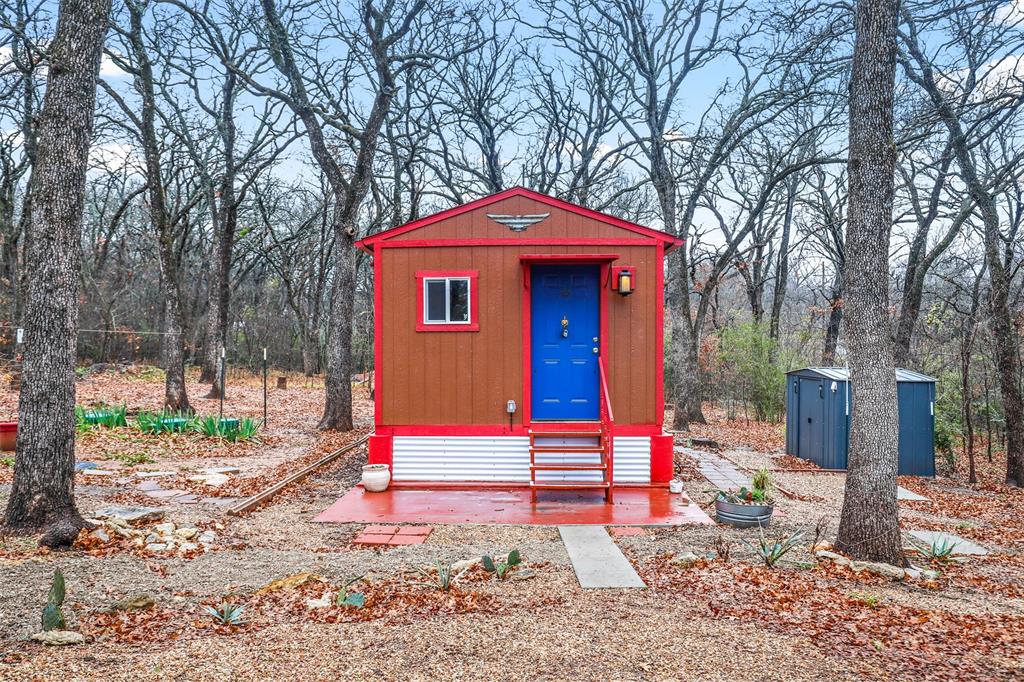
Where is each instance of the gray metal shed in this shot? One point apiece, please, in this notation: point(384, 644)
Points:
point(818, 403)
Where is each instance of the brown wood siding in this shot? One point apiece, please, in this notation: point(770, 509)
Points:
point(453, 378)
point(561, 224)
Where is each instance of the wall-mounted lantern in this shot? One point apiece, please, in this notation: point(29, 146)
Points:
point(624, 279)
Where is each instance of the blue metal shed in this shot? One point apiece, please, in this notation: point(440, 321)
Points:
point(818, 402)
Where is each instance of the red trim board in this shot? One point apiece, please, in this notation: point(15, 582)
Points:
point(456, 430)
point(367, 243)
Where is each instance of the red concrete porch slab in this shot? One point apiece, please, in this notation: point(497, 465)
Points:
point(633, 506)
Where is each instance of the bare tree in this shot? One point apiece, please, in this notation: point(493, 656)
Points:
point(869, 525)
point(383, 43)
point(44, 474)
point(972, 105)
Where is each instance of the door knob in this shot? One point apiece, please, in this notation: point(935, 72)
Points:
point(595, 351)
point(565, 327)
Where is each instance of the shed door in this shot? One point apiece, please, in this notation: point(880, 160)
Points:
point(812, 420)
point(564, 342)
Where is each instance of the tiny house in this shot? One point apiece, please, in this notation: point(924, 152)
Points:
point(519, 340)
point(818, 408)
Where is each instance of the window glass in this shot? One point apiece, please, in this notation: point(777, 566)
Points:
point(458, 297)
point(436, 300)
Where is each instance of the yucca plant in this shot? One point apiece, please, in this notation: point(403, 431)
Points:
point(346, 597)
point(771, 551)
point(208, 426)
point(940, 549)
point(53, 617)
point(501, 568)
point(163, 421)
point(226, 613)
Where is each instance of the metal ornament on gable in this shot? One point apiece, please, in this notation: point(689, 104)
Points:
point(517, 223)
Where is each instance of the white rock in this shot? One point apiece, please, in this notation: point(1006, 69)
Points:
point(320, 603)
point(59, 637)
point(207, 537)
point(686, 560)
point(188, 547)
point(156, 547)
point(215, 480)
point(186, 533)
point(832, 556)
point(878, 568)
point(101, 535)
point(164, 528)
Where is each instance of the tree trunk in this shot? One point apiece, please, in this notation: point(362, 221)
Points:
point(44, 473)
point(782, 265)
point(684, 383)
point(869, 525)
point(833, 326)
point(338, 378)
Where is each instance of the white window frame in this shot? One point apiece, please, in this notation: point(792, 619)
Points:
point(448, 300)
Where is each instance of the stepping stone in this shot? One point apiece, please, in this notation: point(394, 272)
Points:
point(598, 562)
point(97, 472)
point(963, 547)
point(215, 480)
point(221, 470)
point(166, 494)
point(82, 466)
point(909, 495)
point(130, 514)
point(155, 474)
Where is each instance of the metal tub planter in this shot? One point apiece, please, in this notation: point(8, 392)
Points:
point(741, 515)
point(745, 508)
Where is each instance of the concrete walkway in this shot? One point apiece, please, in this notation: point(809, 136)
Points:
point(720, 472)
point(597, 560)
point(909, 495)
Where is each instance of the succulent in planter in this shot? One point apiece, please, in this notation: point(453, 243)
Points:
point(747, 507)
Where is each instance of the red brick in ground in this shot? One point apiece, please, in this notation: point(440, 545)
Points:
point(627, 531)
point(372, 539)
point(414, 530)
point(406, 540)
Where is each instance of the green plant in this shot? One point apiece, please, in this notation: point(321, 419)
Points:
point(81, 425)
point(762, 482)
point(501, 568)
point(940, 549)
point(869, 600)
point(7, 461)
point(743, 496)
point(749, 360)
point(53, 617)
point(230, 430)
point(346, 597)
point(133, 458)
point(163, 421)
point(444, 576)
point(771, 551)
point(226, 613)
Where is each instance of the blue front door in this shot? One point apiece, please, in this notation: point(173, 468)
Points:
point(564, 337)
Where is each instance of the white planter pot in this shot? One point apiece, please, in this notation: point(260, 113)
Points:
point(376, 477)
point(675, 486)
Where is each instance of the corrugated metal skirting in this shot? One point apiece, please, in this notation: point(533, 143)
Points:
point(505, 458)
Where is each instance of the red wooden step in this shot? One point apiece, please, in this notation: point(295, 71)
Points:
point(567, 448)
point(570, 485)
point(568, 467)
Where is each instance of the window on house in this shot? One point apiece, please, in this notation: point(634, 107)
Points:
point(446, 300)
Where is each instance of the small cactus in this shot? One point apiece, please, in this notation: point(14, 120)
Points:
point(53, 617)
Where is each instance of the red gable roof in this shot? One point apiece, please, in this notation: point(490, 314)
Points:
point(670, 241)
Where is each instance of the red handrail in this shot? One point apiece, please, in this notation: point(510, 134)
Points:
point(607, 427)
